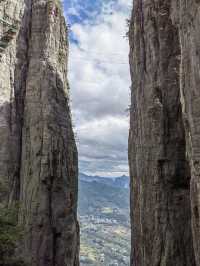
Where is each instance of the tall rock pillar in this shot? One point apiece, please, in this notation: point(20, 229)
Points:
point(159, 169)
point(36, 124)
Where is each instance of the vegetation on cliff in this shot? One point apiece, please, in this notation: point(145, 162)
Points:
point(10, 234)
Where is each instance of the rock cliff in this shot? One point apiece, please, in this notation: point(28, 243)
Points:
point(38, 155)
point(164, 140)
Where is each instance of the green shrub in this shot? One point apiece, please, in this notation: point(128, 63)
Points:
point(10, 234)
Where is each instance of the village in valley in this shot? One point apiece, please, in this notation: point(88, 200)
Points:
point(105, 226)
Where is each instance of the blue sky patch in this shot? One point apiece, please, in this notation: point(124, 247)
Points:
point(99, 91)
point(79, 11)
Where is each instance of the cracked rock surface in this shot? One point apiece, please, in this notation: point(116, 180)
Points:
point(38, 155)
point(164, 140)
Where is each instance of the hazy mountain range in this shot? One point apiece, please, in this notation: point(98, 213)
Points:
point(121, 181)
point(96, 192)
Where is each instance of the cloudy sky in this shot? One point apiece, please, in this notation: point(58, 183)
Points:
point(100, 83)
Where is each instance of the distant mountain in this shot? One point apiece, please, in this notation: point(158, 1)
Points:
point(121, 181)
point(98, 192)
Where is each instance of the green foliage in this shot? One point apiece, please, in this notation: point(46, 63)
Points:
point(4, 187)
point(10, 234)
point(61, 56)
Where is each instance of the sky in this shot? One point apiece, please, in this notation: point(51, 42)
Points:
point(100, 83)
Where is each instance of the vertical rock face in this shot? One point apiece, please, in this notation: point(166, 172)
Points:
point(190, 79)
point(38, 156)
point(163, 163)
point(10, 137)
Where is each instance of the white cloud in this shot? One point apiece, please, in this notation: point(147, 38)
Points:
point(99, 80)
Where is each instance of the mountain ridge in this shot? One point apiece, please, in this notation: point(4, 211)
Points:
point(118, 181)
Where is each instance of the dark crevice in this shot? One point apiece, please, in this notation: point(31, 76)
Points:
point(196, 213)
point(142, 35)
point(55, 234)
point(19, 97)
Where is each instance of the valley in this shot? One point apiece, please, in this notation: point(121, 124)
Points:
point(104, 222)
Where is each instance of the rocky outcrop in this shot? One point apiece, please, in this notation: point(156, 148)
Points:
point(164, 133)
point(38, 155)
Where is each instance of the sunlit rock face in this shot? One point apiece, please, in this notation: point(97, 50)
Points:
point(38, 155)
point(164, 141)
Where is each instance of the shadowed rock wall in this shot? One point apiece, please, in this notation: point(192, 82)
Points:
point(164, 69)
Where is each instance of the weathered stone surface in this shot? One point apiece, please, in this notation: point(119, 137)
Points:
point(38, 155)
point(159, 168)
point(9, 148)
point(190, 79)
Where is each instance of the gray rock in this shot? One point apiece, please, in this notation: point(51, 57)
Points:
point(38, 155)
point(164, 44)
point(189, 14)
